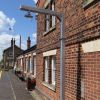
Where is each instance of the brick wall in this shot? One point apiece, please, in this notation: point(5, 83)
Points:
point(24, 57)
point(39, 77)
point(82, 70)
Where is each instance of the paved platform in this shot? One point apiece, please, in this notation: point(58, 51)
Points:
point(11, 88)
point(38, 95)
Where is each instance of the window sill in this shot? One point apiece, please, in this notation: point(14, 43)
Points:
point(87, 5)
point(50, 86)
point(51, 29)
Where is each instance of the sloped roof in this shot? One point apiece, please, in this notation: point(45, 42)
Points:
point(12, 47)
point(30, 49)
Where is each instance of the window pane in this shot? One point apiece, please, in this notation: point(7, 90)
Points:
point(53, 69)
point(21, 62)
point(35, 66)
point(31, 65)
point(46, 69)
point(53, 21)
point(47, 22)
point(26, 64)
point(53, 17)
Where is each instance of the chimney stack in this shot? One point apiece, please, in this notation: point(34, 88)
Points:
point(12, 42)
point(28, 43)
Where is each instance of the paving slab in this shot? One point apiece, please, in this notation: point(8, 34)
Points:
point(12, 88)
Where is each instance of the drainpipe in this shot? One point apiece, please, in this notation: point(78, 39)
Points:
point(62, 59)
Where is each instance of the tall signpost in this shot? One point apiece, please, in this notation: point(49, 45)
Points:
point(60, 16)
point(13, 53)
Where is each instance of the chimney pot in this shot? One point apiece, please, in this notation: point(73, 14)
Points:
point(28, 43)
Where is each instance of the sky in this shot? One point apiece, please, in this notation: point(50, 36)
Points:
point(13, 24)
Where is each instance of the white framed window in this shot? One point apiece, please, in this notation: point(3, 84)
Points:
point(50, 21)
point(34, 60)
point(26, 64)
point(21, 62)
point(50, 70)
point(31, 69)
point(53, 70)
point(53, 17)
point(47, 22)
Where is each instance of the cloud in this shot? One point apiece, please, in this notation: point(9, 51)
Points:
point(34, 38)
point(35, 1)
point(5, 42)
point(6, 23)
point(6, 26)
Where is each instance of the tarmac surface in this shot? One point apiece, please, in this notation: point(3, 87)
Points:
point(11, 88)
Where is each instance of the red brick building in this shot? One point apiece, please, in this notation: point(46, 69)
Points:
point(26, 62)
point(82, 49)
point(10, 55)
